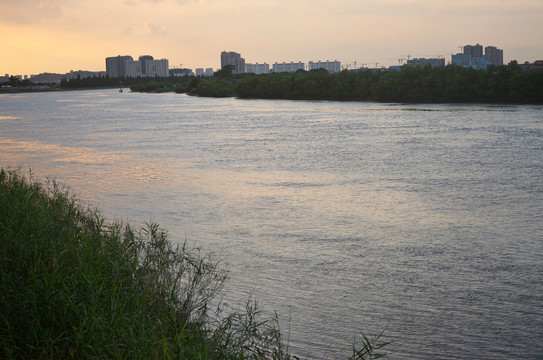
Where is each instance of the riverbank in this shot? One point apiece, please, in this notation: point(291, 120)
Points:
point(33, 88)
point(47, 88)
point(77, 286)
point(451, 84)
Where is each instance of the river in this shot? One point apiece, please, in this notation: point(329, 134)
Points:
point(426, 220)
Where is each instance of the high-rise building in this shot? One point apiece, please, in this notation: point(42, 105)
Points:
point(116, 66)
point(142, 60)
point(234, 59)
point(468, 61)
point(125, 66)
point(461, 60)
point(473, 57)
point(158, 68)
point(494, 55)
point(473, 50)
point(133, 68)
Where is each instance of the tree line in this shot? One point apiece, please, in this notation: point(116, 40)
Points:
point(449, 84)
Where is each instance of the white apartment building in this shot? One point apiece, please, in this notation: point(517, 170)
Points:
point(133, 68)
point(330, 66)
point(288, 67)
point(257, 68)
point(208, 72)
point(158, 68)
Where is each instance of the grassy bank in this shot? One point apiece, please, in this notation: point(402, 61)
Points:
point(74, 286)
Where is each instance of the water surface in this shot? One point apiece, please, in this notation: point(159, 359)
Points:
point(344, 217)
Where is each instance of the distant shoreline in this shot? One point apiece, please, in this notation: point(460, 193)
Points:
point(409, 85)
point(46, 88)
point(34, 88)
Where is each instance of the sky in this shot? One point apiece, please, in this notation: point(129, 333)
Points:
point(61, 35)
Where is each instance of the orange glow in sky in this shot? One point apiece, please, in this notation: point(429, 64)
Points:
point(62, 35)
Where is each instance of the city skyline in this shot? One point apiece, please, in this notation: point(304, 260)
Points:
point(60, 35)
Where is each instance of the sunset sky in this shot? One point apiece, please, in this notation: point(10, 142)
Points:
point(62, 35)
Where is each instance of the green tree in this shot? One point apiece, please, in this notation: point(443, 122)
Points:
point(225, 72)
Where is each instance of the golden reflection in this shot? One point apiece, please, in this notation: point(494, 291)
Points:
point(302, 197)
point(324, 196)
point(10, 117)
point(86, 168)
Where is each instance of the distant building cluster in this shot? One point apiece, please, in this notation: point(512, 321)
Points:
point(146, 66)
point(536, 65)
point(53, 78)
point(257, 68)
point(288, 67)
point(422, 62)
point(473, 57)
point(234, 59)
point(6, 78)
point(207, 72)
point(330, 66)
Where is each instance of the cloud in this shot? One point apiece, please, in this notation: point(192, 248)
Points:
point(29, 11)
point(154, 29)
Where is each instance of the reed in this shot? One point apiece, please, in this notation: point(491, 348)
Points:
point(74, 286)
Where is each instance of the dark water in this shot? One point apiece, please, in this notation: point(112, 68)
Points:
point(344, 217)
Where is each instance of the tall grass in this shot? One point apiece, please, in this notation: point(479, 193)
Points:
point(73, 286)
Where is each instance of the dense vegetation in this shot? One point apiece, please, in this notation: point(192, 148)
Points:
point(16, 82)
point(449, 84)
point(74, 286)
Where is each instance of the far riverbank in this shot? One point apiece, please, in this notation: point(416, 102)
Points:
point(414, 85)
